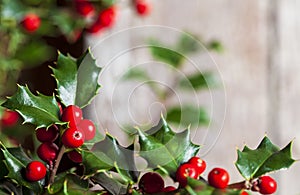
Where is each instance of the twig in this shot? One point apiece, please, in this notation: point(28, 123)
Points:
point(56, 165)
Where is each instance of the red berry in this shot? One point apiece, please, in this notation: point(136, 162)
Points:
point(9, 118)
point(31, 22)
point(47, 135)
point(218, 178)
point(84, 7)
point(184, 171)
point(47, 151)
point(107, 17)
point(75, 156)
point(72, 114)
point(199, 163)
point(95, 27)
point(151, 183)
point(244, 193)
point(35, 171)
point(142, 7)
point(73, 137)
point(169, 189)
point(267, 185)
point(88, 128)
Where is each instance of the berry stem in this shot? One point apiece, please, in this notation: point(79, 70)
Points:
point(56, 164)
point(239, 185)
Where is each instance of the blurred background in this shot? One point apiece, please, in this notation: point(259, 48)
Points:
point(258, 67)
point(229, 69)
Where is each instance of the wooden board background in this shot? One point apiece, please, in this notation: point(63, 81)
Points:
point(260, 69)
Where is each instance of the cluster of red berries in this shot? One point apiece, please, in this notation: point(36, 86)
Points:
point(96, 20)
point(78, 130)
point(152, 182)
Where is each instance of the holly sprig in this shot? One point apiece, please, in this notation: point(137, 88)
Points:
point(105, 161)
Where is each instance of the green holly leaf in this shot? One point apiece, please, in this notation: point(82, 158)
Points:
point(265, 158)
point(165, 54)
point(199, 80)
point(187, 43)
point(119, 157)
point(95, 162)
point(15, 167)
point(159, 146)
point(77, 80)
point(34, 53)
point(8, 187)
point(68, 183)
point(65, 21)
point(277, 161)
point(39, 110)
point(215, 45)
point(109, 183)
point(188, 115)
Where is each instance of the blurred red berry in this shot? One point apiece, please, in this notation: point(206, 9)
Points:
point(142, 7)
point(84, 7)
point(96, 27)
point(107, 17)
point(244, 193)
point(31, 22)
point(9, 118)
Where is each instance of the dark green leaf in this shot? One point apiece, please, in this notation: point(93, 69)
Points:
point(161, 148)
point(67, 183)
point(16, 168)
point(265, 158)
point(40, 110)
point(108, 3)
point(87, 76)
point(199, 81)
point(11, 10)
point(58, 183)
point(215, 46)
point(95, 162)
point(77, 86)
point(188, 115)
point(66, 78)
point(118, 156)
point(165, 54)
point(20, 155)
point(66, 23)
point(277, 161)
point(34, 53)
point(137, 74)
point(75, 183)
point(109, 183)
point(8, 187)
point(187, 44)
